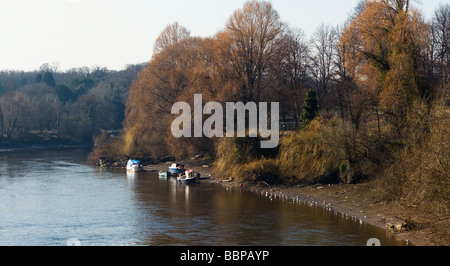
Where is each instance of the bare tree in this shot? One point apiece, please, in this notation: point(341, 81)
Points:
point(172, 34)
point(323, 52)
point(291, 68)
point(1, 120)
point(440, 28)
point(254, 32)
point(15, 111)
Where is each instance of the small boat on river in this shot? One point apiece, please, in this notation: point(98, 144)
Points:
point(190, 177)
point(177, 169)
point(134, 166)
point(164, 174)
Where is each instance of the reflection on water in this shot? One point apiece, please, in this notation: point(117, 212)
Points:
point(49, 197)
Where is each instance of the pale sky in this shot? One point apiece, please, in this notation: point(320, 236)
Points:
point(114, 33)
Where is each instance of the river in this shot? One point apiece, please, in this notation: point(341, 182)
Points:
point(50, 196)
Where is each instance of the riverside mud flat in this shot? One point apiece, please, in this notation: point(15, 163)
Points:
point(354, 201)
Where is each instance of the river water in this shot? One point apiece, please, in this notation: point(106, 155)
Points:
point(50, 196)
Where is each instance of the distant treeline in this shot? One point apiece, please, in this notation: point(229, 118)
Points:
point(48, 105)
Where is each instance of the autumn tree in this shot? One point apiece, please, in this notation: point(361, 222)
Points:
point(234, 65)
point(157, 88)
point(405, 81)
point(387, 37)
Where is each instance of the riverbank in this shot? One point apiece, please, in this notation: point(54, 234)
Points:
point(35, 144)
point(357, 201)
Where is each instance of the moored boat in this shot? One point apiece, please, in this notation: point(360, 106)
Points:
point(176, 169)
point(164, 174)
point(190, 177)
point(134, 166)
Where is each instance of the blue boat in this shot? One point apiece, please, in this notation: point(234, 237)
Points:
point(134, 166)
point(186, 180)
point(176, 169)
point(190, 177)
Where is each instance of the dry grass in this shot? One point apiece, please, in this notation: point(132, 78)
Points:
point(244, 160)
point(311, 155)
point(420, 174)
